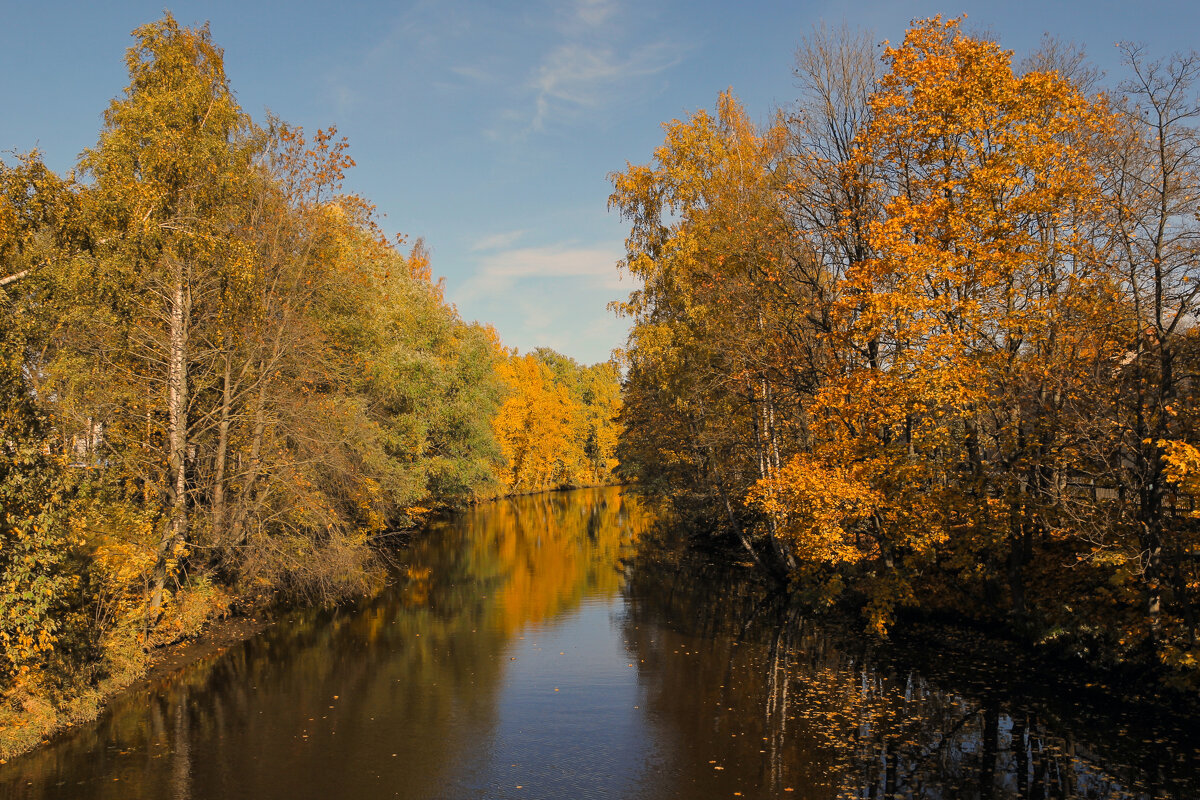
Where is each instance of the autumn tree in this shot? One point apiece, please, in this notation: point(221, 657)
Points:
point(39, 548)
point(1153, 168)
point(928, 355)
point(167, 173)
point(987, 292)
point(556, 425)
point(221, 384)
point(711, 247)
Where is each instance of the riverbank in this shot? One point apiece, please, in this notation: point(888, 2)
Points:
point(930, 695)
point(33, 714)
point(29, 720)
point(932, 639)
point(217, 637)
point(532, 646)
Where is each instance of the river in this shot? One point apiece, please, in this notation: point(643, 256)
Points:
point(528, 649)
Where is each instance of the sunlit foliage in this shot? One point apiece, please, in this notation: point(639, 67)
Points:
point(557, 426)
point(221, 385)
point(928, 342)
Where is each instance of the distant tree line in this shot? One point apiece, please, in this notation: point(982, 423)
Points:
point(927, 340)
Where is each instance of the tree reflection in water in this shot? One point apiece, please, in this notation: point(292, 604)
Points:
point(689, 682)
point(395, 698)
point(782, 703)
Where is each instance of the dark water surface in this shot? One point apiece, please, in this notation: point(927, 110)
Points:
point(526, 651)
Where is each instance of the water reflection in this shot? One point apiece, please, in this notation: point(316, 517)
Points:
point(795, 709)
point(518, 656)
point(398, 698)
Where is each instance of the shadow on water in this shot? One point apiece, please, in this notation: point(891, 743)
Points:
point(786, 705)
point(527, 650)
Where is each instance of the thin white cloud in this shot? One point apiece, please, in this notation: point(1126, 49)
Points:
point(498, 241)
point(595, 12)
point(575, 76)
point(558, 64)
point(558, 314)
point(594, 267)
point(417, 41)
point(475, 74)
point(538, 319)
point(554, 295)
point(594, 58)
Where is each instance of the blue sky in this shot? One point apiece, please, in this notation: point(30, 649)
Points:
point(489, 128)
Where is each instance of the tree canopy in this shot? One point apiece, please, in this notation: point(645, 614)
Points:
point(221, 385)
point(926, 342)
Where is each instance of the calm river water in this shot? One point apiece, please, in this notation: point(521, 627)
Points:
point(526, 651)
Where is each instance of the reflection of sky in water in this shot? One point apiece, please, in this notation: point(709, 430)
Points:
point(508, 662)
point(566, 718)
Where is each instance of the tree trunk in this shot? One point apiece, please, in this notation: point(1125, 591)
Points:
point(242, 512)
point(176, 528)
point(219, 501)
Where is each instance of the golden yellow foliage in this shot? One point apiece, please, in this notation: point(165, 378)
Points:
point(824, 513)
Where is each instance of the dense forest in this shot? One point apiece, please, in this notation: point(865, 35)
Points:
point(222, 387)
point(925, 343)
